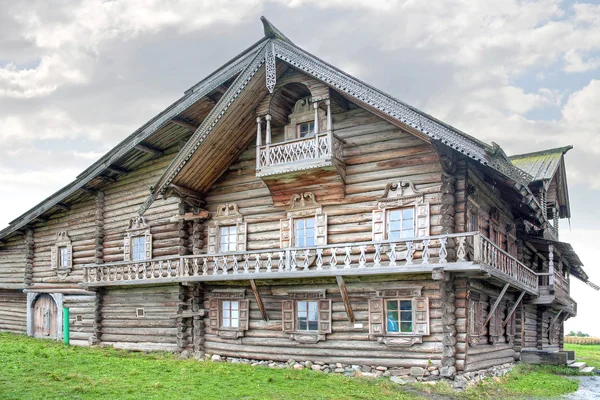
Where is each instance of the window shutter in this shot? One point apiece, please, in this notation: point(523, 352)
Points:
point(54, 257)
point(324, 316)
point(421, 313)
point(492, 331)
point(285, 232)
point(376, 319)
point(241, 236)
point(69, 256)
point(148, 242)
point(212, 239)
point(288, 315)
point(479, 318)
point(213, 314)
point(127, 248)
point(422, 217)
point(378, 225)
point(244, 314)
point(321, 229)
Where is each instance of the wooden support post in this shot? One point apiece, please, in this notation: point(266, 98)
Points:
point(551, 265)
point(345, 298)
point(316, 106)
point(493, 309)
point(259, 301)
point(513, 309)
point(258, 141)
point(329, 122)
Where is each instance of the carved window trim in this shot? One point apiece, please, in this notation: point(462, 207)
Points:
point(400, 195)
point(138, 226)
point(420, 317)
point(215, 321)
point(289, 316)
point(62, 241)
point(303, 112)
point(226, 215)
point(476, 319)
point(303, 206)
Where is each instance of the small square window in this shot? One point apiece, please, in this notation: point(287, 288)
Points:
point(305, 129)
point(63, 257)
point(79, 318)
point(230, 314)
point(399, 316)
point(138, 248)
point(139, 312)
point(304, 232)
point(227, 238)
point(307, 316)
point(400, 223)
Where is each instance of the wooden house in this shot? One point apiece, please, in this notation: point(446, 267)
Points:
point(295, 212)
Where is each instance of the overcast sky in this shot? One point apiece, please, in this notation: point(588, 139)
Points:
point(76, 77)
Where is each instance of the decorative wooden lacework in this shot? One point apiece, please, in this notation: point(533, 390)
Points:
point(61, 258)
point(381, 320)
point(226, 215)
point(292, 314)
point(227, 306)
point(137, 227)
point(302, 206)
point(270, 67)
point(398, 195)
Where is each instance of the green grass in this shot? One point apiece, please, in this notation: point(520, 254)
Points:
point(588, 353)
point(40, 369)
point(523, 382)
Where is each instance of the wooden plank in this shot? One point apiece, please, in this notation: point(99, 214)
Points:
point(513, 309)
point(493, 309)
point(259, 301)
point(345, 298)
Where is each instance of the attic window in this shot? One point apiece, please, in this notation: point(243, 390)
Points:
point(305, 129)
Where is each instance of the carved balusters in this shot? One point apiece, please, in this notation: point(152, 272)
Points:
point(377, 256)
point(409, 253)
point(333, 258)
point(425, 256)
point(257, 263)
point(305, 262)
point(348, 258)
point(281, 264)
point(235, 267)
point(443, 251)
point(246, 263)
point(319, 259)
point(461, 252)
point(293, 260)
point(362, 258)
point(392, 255)
point(269, 264)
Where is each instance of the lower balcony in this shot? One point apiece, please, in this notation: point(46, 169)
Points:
point(466, 252)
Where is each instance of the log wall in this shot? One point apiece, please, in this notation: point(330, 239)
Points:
point(121, 326)
point(81, 305)
point(376, 153)
point(13, 311)
point(13, 261)
point(348, 343)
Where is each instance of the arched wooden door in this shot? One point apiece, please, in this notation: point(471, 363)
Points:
point(45, 313)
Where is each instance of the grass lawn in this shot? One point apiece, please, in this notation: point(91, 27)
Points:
point(589, 353)
point(40, 369)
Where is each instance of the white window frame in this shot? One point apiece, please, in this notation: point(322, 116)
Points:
point(134, 239)
point(308, 314)
point(227, 311)
point(226, 215)
point(63, 241)
point(138, 226)
point(303, 206)
point(399, 311)
point(304, 231)
point(228, 243)
point(388, 224)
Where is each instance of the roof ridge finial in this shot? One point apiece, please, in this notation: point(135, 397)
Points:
point(272, 32)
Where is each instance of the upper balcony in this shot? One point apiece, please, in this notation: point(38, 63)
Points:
point(470, 253)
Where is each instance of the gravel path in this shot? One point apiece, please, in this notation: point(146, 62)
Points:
point(589, 389)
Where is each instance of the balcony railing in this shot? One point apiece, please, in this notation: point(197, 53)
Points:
point(488, 253)
point(415, 254)
point(308, 152)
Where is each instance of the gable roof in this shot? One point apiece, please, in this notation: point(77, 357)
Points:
point(541, 165)
point(190, 97)
point(280, 47)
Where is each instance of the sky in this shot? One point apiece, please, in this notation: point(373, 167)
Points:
point(76, 77)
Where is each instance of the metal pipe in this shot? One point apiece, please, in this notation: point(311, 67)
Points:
point(66, 327)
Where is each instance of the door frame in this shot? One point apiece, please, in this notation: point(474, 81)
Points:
point(58, 299)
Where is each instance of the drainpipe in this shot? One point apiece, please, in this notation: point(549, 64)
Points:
point(66, 336)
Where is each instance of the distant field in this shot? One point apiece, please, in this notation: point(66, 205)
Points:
point(582, 340)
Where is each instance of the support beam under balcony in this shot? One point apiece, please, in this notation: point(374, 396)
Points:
point(345, 297)
point(259, 301)
point(493, 309)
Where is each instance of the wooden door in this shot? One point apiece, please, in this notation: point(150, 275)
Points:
point(44, 317)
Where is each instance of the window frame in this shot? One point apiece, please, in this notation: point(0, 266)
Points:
point(229, 243)
point(388, 213)
point(227, 215)
point(63, 259)
point(222, 317)
point(304, 230)
point(308, 313)
point(399, 310)
point(138, 227)
point(133, 247)
point(309, 133)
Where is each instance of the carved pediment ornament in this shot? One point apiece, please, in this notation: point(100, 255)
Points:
point(227, 211)
point(400, 193)
point(304, 201)
point(62, 238)
point(137, 223)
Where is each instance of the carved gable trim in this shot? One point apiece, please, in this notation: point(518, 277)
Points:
point(226, 214)
point(62, 241)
